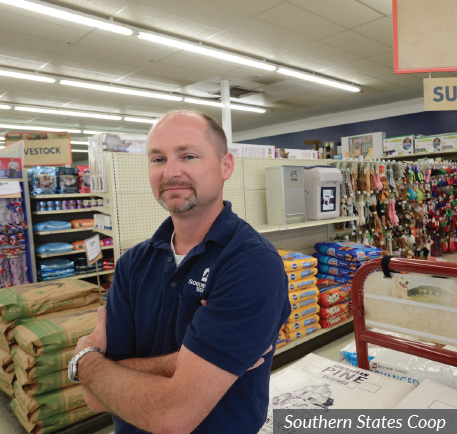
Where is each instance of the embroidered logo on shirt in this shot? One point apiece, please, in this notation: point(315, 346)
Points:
point(205, 275)
point(200, 286)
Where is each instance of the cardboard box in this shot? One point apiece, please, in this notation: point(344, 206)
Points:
point(449, 142)
point(254, 151)
point(428, 144)
point(401, 145)
point(302, 154)
point(369, 145)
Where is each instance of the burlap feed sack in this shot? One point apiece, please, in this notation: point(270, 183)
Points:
point(5, 359)
point(54, 334)
point(41, 407)
point(53, 423)
point(24, 301)
point(7, 389)
point(36, 366)
point(6, 382)
point(42, 384)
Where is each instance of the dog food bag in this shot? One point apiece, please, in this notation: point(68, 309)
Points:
point(299, 314)
point(303, 283)
point(348, 251)
point(302, 294)
point(54, 334)
point(42, 384)
point(336, 309)
point(303, 303)
point(334, 296)
point(297, 334)
point(315, 382)
point(38, 298)
point(282, 340)
point(37, 366)
point(430, 395)
point(303, 323)
point(336, 279)
point(295, 261)
point(335, 271)
point(334, 320)
point(41, 407)
point(324, 285)
point(82, 223)
point(53, 423)
point(330, 260)
point(301, 274)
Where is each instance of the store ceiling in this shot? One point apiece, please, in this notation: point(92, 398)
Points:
point(349, 40)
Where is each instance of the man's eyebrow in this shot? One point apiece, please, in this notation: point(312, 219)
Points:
point(154, 151)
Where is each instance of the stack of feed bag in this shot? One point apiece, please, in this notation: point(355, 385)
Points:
point(339, 261)
point(29, 303)
point(334, 301)
point(300, 270)
point(45, 400)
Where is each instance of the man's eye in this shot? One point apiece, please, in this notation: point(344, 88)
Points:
point(190, 157)
point(157, 160)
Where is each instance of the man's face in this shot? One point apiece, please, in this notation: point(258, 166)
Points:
point(184, 169)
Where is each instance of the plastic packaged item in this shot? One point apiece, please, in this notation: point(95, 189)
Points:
point(84, 179)
point(82, 223)
point(301, 274)
point(335, 271)
point(42, 206)
point(348, 251)
point(79, 204)
point(106, 241)
point(329, 260)
point(66, 204)
point(332, 297)
point(72, 204)
point(124, 143)
point(336, 279)
point(50, 205)
point(302, 294)
point(78, 245)
point(337, 309)
point(54, 248)
point(99, 202)
point(301, 304)
point(296, 261)
point(58, 205)
point(86, 203)
point(43, 180)
point(297, 334)
point(55, 264)
point(46, 275)
point(304, 322)
point(52, 225)
point(297, 315)
point(303, 283)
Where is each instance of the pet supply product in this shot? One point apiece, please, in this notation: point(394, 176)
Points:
point(66, 204)
point(303, 283)
point(82, 223)
point(86, 203)
point(368, 145)
point(294, 261)
point(304, 322)
point(297, 334)
point(57, 274)
point(322, 188)
point(52, 225)
point(326, 323)
point(430, 395)
point(79, 204)
point(285, 195)
point(330, 260)
point(299, 314)
point(401, 145)
point(78, 245)
point(298, 305)
point(315, 382)
point(106, 241)
point(84, 179)
point(38, 298)
point(449, 142)
point(334, 296)
point(50, 205)
point(301, 274)
point(43, 180)
point(336, 279)
point(72, 204)
point(336, 309)
point(348, 251)
point(428, 144)
point(303, 294)
point(55, 264)
point(335, 271)
point(325, 286)
point(50, 248)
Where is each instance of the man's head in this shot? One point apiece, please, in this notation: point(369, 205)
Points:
point(188, 161)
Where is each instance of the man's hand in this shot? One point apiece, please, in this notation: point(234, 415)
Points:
point(261, 360)
point(98, 337)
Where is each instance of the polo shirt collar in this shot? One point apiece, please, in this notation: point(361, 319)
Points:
point(221, 231)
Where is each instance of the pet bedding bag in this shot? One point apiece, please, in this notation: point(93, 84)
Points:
point(431, 395)
point(294, 261)
point(303, 283)
point(302, 294)
point(291, 327)
point(330, 260)
point(348, 251)
point(6, 383)
point(335, 271)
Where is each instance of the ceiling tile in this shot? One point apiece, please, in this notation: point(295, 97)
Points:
point(103, 7)
point(314, 99)
point(379, 30)
point(336, 94)
point(356, 43)
point(177, 71)
point(201, 89)
point(149, 85)
point(346, 13)
point(211, 66)
point(269, 33)
point(403, 80)
point(151, 80)
point(25, 54)
point(245, 84)
point(374, 85)
point(251, 7)
point(153, 19)
point(249, 47)
point(200, 11)
point(18, 62)
point(299, 61)
point(44, 89)
point(386, 59)
point(289, 104)
point(36, 99)
point(382, 6)
point(326, 53)
point(300, 21)
point(262, 78)
point(30, 42)
point(345, 74)
point(290, 88)
point(365, 66)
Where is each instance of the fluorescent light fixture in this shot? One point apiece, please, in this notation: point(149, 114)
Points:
point(68, 113)
point(195, 48)
point(26, 128)
point(75, 142)
point(1, 147)
point(320, 80)
point(203, 102)
point(141, 120)
point(123, 90)
point(33, 77)
point(79, 150)
point(5, 107)
point(95, 132)
point(2, 139)
point(247, 108)
point(63, 14)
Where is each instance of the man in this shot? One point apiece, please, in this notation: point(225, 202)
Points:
point(185, 363)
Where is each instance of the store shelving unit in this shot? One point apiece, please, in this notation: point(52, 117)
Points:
point(263, 229)
point(65, 211)
point(422, 155)
point(71, 252)
point(108, 232)
point(87, 275)
point(64, 231)
point(63, 195)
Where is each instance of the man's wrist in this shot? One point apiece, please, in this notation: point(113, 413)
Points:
point(86, 364)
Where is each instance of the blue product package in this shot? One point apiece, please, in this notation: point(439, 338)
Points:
point(329, 260)
point(303, 303)
point(348, 251)
point(54, 248)
point(52, 225)
point(43, 180)
point(351, 358)
point(337, 279)
point(335, 271)
point(54, 273)
point(298, 275)
point(55, 264)
point(46, 278)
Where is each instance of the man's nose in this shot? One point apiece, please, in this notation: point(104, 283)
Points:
point(172, 169)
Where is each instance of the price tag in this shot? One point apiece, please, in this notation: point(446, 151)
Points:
point(93, 249)
point(10, 187)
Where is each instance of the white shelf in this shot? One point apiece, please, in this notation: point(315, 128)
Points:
point(108, 232)
point(57, 196)
point(309, 224)
point(420, 155)
point(66, 211)
point(10, 196)
point(306, 338)
point(103, 209)
point(83, 276)
point(71, 252)
point(64, 231)
point(130, 244)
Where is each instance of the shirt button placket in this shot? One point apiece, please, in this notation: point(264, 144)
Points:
point(170, 259)
point(173, 284)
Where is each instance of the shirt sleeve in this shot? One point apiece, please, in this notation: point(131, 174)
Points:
point(120, 323)
point(245, 310)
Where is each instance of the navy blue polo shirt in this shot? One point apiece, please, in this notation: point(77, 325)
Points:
point(153, 308)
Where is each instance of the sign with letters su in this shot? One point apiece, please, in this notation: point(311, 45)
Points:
point(440, 93)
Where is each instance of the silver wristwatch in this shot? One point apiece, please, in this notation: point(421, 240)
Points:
point(73, 365)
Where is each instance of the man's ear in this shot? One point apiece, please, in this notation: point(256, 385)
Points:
point(228, 165)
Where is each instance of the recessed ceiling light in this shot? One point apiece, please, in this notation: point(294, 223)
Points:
point(26, 128)
point(123, 90)
point(23, 76)
point(68, 113)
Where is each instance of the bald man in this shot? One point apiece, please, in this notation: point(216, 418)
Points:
point(185, 343)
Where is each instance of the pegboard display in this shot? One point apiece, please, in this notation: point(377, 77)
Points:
point(236, 197)
point(256, 207)
point(134, 169)
point(236, 181)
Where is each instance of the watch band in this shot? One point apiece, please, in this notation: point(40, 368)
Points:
point(73, 365)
